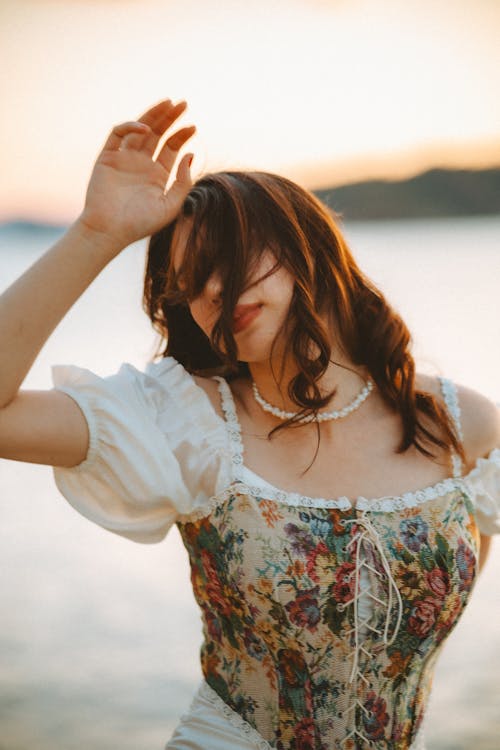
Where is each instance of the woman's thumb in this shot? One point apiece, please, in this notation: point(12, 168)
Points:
point(184, 169)
point(183, 183)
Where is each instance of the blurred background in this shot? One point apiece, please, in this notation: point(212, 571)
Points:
point(390, 112)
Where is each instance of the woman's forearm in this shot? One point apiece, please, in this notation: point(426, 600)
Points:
point(32, 307)
point(125, 202)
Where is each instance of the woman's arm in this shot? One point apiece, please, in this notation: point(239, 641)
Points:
point(125, 202)
point(45, 426)
point(32, 307)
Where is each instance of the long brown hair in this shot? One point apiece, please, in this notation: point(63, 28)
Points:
point(234, 217)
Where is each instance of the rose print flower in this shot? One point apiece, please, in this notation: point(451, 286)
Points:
point(320, 562)
point(343, 588)
point(409, 578)
point(377, 717)
point(304, 733)
point(465, 563)
point(304, 610)
point(413, 532)
point(423, 616)
point(439, 582)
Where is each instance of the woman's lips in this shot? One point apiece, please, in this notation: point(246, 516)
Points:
point(243, 316)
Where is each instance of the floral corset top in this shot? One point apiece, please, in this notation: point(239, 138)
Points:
point(322, 618)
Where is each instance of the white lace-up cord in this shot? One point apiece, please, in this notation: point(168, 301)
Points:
point(370, 533)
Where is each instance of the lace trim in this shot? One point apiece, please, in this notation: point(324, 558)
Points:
point(379, 505)
point(233, 718)
point(387, 503)
point(450, 394)
point(233, 426)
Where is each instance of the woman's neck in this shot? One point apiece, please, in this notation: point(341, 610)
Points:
point(348, 380)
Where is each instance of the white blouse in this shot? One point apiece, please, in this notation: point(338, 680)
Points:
point(159, 453)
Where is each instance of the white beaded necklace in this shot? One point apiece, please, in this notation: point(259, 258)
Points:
point(322, 416)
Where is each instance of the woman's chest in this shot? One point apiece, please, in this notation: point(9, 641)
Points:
point(354, 463)
point(301, 566)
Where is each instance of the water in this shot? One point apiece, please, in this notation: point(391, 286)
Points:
point(99, 636)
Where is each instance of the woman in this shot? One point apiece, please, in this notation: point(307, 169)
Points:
point(328, 588)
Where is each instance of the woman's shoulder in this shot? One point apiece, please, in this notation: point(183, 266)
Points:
point(211, 388)
point(479, 417)
point(169, 381)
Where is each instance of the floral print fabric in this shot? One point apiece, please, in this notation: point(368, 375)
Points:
point(276, 584)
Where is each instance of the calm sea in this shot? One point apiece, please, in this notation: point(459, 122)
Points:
point(99, 636)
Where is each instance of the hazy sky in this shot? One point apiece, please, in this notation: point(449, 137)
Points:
point(320, 91)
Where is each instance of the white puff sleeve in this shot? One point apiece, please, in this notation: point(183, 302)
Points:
point(157, 449)
point(483, 483)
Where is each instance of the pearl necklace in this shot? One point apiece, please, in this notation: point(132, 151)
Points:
point(322, 416)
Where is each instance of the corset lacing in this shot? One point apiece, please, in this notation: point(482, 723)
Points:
point(369, 533)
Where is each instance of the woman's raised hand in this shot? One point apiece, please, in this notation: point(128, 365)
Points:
point(126, 198)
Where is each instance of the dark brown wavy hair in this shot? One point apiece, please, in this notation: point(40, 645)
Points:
point(234, 217)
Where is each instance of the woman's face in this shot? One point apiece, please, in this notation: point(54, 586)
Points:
point(256, 330)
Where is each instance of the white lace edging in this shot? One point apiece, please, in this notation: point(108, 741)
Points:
point(378, 505)
point(232, 423)
point(251, 734)
point(387, 503)
point(449, 390)
point(410, 499)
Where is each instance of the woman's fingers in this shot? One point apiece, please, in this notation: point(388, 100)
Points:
point(170, 149)
point(120, 132)
point(159, 118)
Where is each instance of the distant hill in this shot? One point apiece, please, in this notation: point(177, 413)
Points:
point(435, 193)
point(32, 228)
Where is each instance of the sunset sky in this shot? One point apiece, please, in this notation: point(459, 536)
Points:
point(322, 91)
